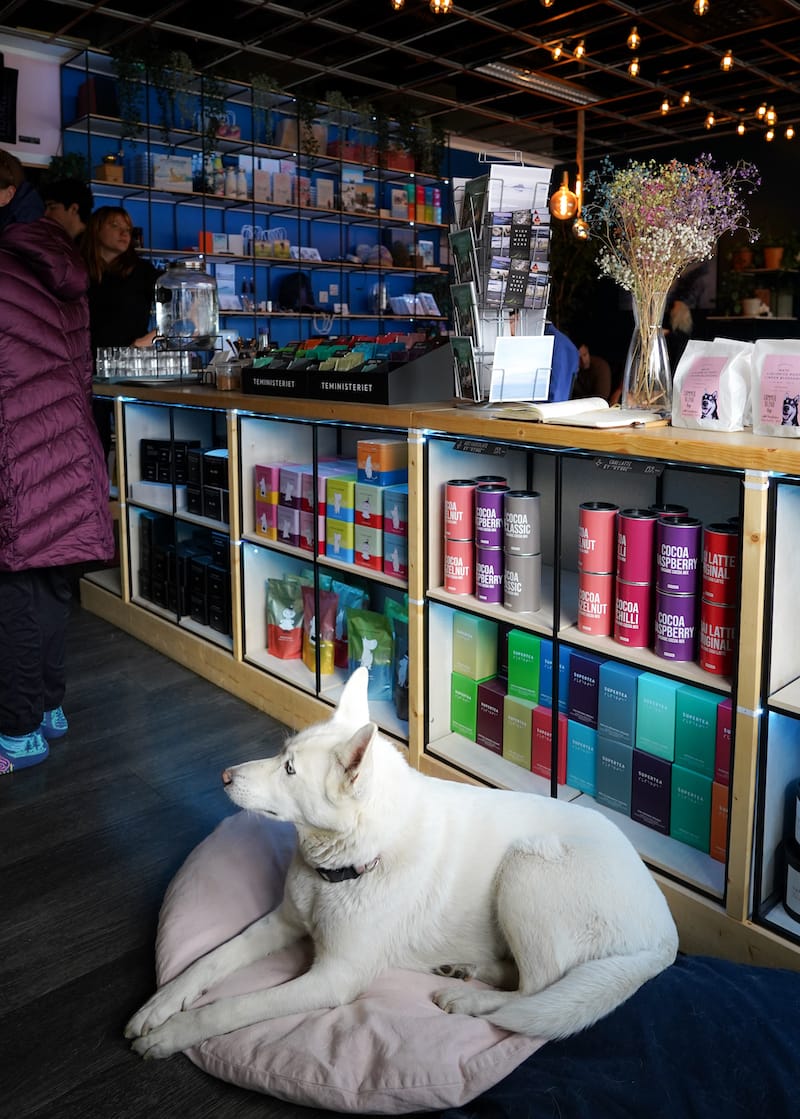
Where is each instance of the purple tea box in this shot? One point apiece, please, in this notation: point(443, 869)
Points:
point(690, 819)
point(517, 730)
point(266, 520)
point(288, 526)
point(395, 555)
point(616, 702)
point(614, 774)
point(267, 482)
point(306, 531)
point(542, 745)
point(651, 791)
point(395, 509)
point(326, 468)
point(722, 746)
point(523, 664)
point(656, 706)
point(696, 729)
point(290, 485)
point(503, 630)
point(369, 499)
point(581, 757)
point(545, 672)
point(584, 688)
point(491, 696)
point(368, 547)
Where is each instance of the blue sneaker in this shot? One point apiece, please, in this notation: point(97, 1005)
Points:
point(19, 752)
point(54, 724)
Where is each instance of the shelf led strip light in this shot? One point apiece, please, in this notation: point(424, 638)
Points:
point(529, 79)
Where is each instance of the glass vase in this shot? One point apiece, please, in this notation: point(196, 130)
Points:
point(647, 380)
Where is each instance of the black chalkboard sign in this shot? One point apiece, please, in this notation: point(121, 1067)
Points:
point(8, 104)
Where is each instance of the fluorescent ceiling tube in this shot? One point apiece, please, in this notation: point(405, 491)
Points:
point(529, 79)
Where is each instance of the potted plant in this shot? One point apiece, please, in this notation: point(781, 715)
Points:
point(402, 140)
point(365, 132)
point(771, 245)
point(130, 73)
point(172, 78)
point(342, 146)
point(265, 91)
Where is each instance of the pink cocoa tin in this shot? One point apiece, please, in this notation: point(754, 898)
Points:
point(597, 532)
point(489, 574)
point(489, 515)
point(717, 638)
point(678, 555)
point(633, 614)
point(459, 566)
point(720, 563)
point(675, 626)
point(459, 508)
point(595, 600)
point(636, 541)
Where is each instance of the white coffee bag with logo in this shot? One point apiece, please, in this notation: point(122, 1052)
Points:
point(711, 386)
point(776, 387)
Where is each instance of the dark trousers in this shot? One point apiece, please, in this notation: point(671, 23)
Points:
point(34, 611)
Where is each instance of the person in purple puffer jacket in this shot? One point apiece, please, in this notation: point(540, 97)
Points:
point(54, 514)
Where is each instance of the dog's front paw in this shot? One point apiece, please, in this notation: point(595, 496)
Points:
point(153, 1014)
point(456, 971)
point(460, 1000)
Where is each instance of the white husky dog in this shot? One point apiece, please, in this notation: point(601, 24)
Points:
point(545, 901)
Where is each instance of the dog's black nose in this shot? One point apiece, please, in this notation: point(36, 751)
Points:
point(226, 777)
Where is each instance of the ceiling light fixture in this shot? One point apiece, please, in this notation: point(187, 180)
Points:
point(726, 62)
point(564, 203)
point(633, 67)
point(397, 5)
point(686, 100)
point(771, 117)
point(710, 120)
point(529, 79)
point(769, 135)
point(701, 7)
point(580, 50)
point(557, 51)
point(547, 3)
point(761, 111)
point(740, 128)
point(634, 39)
point(441, 7)
point(789, 133)
point(665, 106)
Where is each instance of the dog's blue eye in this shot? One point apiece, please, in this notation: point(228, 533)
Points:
point(288, 765)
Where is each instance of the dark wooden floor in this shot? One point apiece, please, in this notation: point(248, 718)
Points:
point(88, 843)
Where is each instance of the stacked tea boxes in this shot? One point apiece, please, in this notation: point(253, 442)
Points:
point(285, 503)
point(380, 498)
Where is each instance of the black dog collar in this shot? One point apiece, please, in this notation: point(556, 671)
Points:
point(342, 873)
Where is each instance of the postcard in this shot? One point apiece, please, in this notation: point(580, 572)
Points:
point(466, 378)
point(521, 368)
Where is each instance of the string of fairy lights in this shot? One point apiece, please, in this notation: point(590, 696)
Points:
point(764, 116)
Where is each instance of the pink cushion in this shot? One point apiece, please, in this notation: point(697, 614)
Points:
point(391, 1051)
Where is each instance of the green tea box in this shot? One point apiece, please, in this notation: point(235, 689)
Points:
point(696, 729)
point(524, 655)
point(656, 705)
point(463, 705)
point(474, 646)
point(690, 815)
point(518, 730)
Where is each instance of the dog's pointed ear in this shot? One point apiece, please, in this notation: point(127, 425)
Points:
point(355, 756)
point(353, 707)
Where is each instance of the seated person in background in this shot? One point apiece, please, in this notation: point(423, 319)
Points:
point(594, 375)
point(19, 201)
point(679, 330)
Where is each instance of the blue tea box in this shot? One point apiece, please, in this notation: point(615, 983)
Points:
point(545, 672)
point(614, 774)
point(656, 706)
point(584, 686)
point(616, 702)
point(581, 757)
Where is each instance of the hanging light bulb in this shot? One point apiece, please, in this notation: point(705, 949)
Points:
point(397, 4)
point(580, 230)
point(686, 100)
point(441, 7)
point(710, 120)
point(761, 111)
point(564, 203)
point(701, 7)
point(580, 50)
point(789, 133)
point(665, 106)
point(557, 51)
point(769, 135)
point(633, 67)
point(740, 128)
point(634, 39)
point(546, 3)
point(726, 62)
point(771, 117)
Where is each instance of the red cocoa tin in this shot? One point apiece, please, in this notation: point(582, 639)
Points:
point(717, 638)
point(489, 574)
point(522, 532)
point(597, 531)
point(522, 583)
point(595, 603)
point(459, 566)
point(720, 563)
point(489, 515)
point(675, 626)
point(459, 508)
point(677, 554)
point(633, 614)
point(636, 540)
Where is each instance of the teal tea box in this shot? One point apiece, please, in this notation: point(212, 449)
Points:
point(690, 818)
point(616, 702)
point(696, 729)
point(463, 705)
point(474, 646)
point(581, 757)
point(656, 704)
point(517, 730)
point(614, 774)
point(524, 654)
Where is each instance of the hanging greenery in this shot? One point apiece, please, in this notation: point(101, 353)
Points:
point(130, 73)
point(212, 98)
point(71, 165)
point(307, 114)
point(172, 77)
point(265, 90)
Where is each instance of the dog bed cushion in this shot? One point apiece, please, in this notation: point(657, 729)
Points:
point(392, 1051)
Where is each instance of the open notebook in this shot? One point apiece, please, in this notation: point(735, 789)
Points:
point(591, 412)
